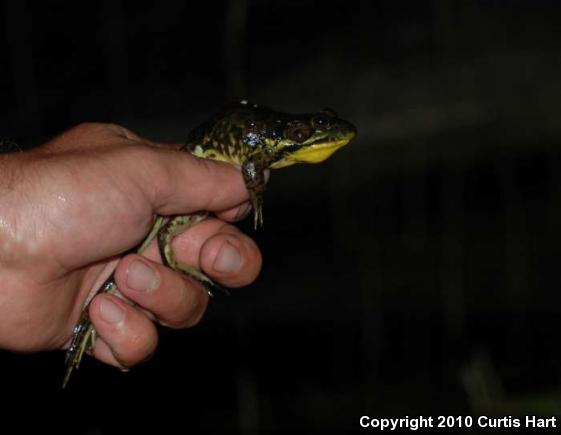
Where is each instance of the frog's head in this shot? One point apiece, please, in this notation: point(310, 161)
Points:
point(310, 138)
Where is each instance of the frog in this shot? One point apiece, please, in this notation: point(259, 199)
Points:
point(256, 139)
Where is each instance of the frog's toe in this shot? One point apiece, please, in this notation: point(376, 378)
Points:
point(212, 288)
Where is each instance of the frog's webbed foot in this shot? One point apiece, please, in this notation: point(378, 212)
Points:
point(172, 228)
point(83, 340)
point(257, 205)
point(254, 177)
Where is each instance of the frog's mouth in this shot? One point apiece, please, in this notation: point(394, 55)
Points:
point(315, 152)
point(318, 152)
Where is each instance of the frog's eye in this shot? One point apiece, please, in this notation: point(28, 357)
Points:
point(321, 122)
point(253, 126)
point(298, 132)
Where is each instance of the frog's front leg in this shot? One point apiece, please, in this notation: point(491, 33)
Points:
point(253, 171)
point(172, 228)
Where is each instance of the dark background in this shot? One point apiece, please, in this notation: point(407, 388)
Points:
point(414, 273)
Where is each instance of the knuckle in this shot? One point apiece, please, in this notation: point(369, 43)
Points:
point(87, 126)
point(105, 128)
point(90, 127)
point(123, 131)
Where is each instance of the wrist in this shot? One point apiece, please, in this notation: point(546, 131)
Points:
point(15, 198)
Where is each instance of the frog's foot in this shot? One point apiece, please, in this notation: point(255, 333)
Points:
point(83, 340)
point(257, 204)
point(210, 286)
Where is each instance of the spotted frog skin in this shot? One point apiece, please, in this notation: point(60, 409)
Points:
point(254, 138)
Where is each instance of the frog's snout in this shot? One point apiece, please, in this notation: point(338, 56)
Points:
point(347, 129)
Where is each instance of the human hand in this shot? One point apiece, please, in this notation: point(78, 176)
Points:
point(70, 208)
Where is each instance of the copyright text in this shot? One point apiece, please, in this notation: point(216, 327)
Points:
point(448, 422)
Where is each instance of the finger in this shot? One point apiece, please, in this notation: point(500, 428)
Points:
point(175, 300)
point(185, 183)
point(235, 214)
point(221, 251)
point(231, 257)
point(129, 335)
point(103, 353)
point(175, 182)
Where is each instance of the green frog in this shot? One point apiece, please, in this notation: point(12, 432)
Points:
point(256, 139)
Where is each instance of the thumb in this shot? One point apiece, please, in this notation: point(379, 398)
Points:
point(188, 183)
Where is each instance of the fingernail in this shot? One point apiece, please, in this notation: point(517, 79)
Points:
point(141, 277)
point(228, 259)
point(110, 311)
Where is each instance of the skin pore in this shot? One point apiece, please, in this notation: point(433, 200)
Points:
point(71, 208)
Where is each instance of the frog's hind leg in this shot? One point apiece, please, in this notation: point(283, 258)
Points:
point(83, 340)
point(171, 229)
point(84, 334)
